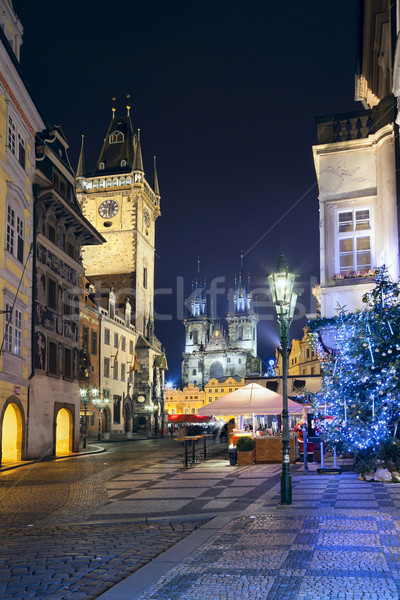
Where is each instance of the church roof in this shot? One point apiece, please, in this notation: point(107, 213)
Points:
point(118, 146)
point(81, 169)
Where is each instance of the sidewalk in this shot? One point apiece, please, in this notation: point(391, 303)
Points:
point(339, 540)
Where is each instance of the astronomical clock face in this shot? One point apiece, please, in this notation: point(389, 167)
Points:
point(141, 398)
point(108, 209)
point(146, 217)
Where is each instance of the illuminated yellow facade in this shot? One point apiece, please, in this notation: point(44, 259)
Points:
point(186, 401)
point(216, 388)
point(19, 120)
point(303, 359)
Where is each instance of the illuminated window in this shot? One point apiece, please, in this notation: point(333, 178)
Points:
point(15, 234)
point(116, 137)
point(123, 163)
point(115, 182)
point(95, 184)
point(108, 183)
point(122, 180)
point(101, 166)
point(128, 181)
point(354, 234)
point(102, 183)
point(11, 135)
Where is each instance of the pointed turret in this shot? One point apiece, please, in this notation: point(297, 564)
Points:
point(198, 302)
point(155, 180)
point(138, 160)
point(117, 155)
point(81, 169)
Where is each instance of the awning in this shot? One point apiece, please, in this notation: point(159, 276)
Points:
point(187, 419)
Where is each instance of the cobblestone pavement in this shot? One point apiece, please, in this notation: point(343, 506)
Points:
point(65, 535)
point(339, 540)
point(75, 528)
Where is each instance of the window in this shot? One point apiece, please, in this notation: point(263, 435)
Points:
point(130, 346)
point(11, 135)
point(354, 237)
point(194, 372)
point(145, 277)
point(123, 164)
point(115, 340)
point(122, 371)
point(116, 137)
point(13, 331)
point(128, 180)
point(85, 337)
point(101, 166)
point(106, 367)
point(123, 344)
point(240, 361)
point(239, 335)
point(21, 151)
point(193, 411)
point(59, 183)
point(107, 336)
point(94, 342)
point(186, 411)
point(108, 183)
point(70, 249)
point(115, 370)
point(52, 358)
point(51, 293)
point(15, 234)
point(95, 184)
point(122, 180)
point(67, 307)
point(115, 182)
point(228, 360)
point(51, 233)
point(195, 336)
point(68, 363)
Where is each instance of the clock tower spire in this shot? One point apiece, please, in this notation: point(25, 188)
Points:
point(117, 199)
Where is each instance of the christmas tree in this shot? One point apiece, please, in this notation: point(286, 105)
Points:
point(357, 408)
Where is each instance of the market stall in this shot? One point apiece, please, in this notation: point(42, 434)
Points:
point(255, 400)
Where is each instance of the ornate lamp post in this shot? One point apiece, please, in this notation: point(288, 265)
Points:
point(98, 402)
point(84, 400)
point(281, 285)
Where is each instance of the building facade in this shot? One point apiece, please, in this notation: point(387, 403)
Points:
point(19, 120)
point(210, 351)
point(59, 232)
point(357, 161)
point(184, 402)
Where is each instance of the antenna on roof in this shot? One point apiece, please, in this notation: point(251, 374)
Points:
point(128, 104)
point(113, 107)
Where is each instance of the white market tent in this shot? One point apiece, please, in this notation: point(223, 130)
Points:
point(250, 399)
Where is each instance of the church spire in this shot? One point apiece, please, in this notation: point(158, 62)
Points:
point(198, 302)
point(138, 160)
point(81, 169)
point(155, 184)
point(242, 294)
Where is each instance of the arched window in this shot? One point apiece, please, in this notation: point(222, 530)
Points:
point(123, 163)
point(116, 137)
point(194, 372)
point(195, 336)
point(122, 181)
point(115, 181)
point(101, 166)
point(239, 334)
point(108, 183)
point(102, 183)
point(95, 184)
point(128, 181)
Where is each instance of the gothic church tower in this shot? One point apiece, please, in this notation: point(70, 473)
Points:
point(119, 202)
point(242, 320)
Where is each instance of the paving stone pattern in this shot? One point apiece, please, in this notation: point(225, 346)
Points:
point(339, 540)
point(76, 562)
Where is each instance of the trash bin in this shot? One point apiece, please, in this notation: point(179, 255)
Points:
point(232, 456)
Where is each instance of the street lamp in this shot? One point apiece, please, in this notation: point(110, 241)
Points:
point(97, 401)
point(84, 400)
point(281, 285)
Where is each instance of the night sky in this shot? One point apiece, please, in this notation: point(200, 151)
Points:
point(225, 94)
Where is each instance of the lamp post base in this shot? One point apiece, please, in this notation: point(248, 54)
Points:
point(286, 488)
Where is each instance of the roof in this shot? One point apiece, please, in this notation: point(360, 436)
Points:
point(118, 147)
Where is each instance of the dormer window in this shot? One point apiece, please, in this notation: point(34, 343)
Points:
point(123, 163)
point(101, 166)
point(116, 137)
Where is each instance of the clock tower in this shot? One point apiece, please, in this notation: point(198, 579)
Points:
point(118, 200)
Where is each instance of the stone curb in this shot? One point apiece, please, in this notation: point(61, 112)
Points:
point(135, 584)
